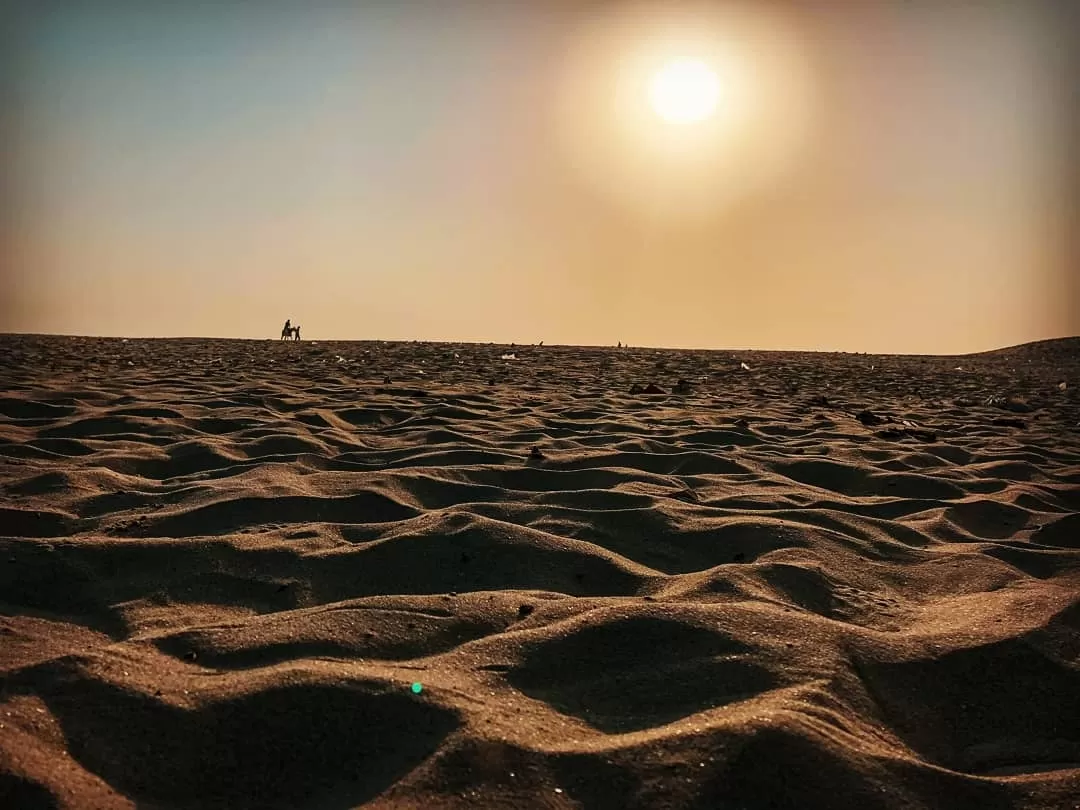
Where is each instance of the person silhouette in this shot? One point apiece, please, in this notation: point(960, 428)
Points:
point(296, 332)
point(287, 330)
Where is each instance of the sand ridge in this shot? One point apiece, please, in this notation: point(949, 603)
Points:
point(789, 579)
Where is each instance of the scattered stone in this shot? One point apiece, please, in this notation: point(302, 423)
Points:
point(190, 656)
point(869, 418)
point(1062, 385)
point(653, 388)
point(891, 434)
point(1017, 405)
point(1014, 404)
point(535, 453)
point(683, 386)
point(386, 380)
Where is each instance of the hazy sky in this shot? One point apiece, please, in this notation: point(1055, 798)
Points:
point(880, 176)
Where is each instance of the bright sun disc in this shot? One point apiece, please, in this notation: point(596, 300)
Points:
point(684, 92)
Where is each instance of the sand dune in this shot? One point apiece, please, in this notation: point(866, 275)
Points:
point(803, 581)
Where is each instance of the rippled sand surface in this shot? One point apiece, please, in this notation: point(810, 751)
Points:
point(254, 574)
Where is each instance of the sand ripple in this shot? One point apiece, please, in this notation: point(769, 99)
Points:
point(831, 580)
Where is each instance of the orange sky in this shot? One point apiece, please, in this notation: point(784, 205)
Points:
point(889, 177)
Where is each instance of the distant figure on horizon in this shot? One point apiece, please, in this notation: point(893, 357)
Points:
point(290, 332)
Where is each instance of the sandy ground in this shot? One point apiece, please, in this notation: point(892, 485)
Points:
point(802, 581)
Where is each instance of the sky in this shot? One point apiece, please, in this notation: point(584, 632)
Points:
point(881, 176)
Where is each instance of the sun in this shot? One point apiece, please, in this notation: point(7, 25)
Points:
point(685, 91)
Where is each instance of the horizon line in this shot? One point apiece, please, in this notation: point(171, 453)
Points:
point(516, 344)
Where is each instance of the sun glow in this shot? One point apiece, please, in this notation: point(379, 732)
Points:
point(684, 92)
point(677, 110)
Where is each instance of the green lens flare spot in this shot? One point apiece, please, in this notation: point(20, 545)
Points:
point(417, 688)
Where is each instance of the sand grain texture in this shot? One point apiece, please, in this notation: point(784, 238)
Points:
point(803, 581)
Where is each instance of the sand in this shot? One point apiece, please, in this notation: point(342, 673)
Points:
point(804, 581)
